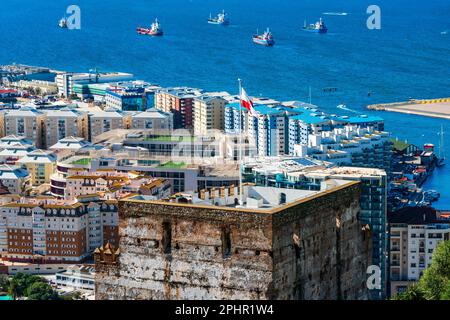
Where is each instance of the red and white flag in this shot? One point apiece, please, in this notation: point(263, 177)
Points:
point(247, 103)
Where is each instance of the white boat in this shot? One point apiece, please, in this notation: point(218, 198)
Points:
point(221, 19)
point(63, 23)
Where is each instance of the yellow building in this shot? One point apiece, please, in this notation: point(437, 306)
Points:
point(40, 165)
point(209, 113)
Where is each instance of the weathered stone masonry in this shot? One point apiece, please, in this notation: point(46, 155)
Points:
point(311, 249)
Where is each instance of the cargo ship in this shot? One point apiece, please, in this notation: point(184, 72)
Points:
point(62, 23)
point(318, 27)
point(265, 39)
point(154, 30)
point(221, 19)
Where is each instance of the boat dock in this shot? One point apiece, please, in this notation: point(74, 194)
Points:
point(437, 108)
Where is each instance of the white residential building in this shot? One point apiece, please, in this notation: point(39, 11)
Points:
point(414, 234)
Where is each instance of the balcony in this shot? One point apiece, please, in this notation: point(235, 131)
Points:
point(395, 249)
point(395, 263)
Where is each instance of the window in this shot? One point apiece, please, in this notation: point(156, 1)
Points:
point(226, 243)
point(167, 237)
point(20, 126)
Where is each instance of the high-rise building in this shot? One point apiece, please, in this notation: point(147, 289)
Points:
point(209, 113)
point(179, 101)
point(267, 130)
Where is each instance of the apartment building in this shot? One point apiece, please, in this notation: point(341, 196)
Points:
point(101, 121)
point(414, 233)
point(349, 146)
point(40, 164)
point(14, 179)
point(13, 139)
point(267, 130)
point(209, 113)
point(152, 120)
point(26, 121)
point(56, 232)
point(63, 123)
point(180, 102)
point(14, 152)
point(70, 143)
point(311, 120)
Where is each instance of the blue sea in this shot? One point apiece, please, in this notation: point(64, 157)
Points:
point(408, 57)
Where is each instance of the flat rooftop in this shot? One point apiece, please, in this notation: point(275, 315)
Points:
point(255, 198)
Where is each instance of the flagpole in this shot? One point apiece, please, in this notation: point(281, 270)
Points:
point(240, 143)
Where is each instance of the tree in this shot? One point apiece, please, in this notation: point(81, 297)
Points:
point(413, 293)
point(436, 278)
point(21, 282)
point(4, 282)
point(435, 282)
point(41, 291)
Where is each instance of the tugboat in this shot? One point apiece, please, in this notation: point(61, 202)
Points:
point(155, 29)
point(318, 27)
point(265, 39)
point(62, 23)
point(221, 19)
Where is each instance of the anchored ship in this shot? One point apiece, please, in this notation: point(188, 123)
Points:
point(318, 27)
point(265, 39)
point(63, 23)
point(221, 19)
point(154, 30)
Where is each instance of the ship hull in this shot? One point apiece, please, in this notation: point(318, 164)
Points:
point(321, 31)
point(267, 43)
point(148, 32)
point(225, 23)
